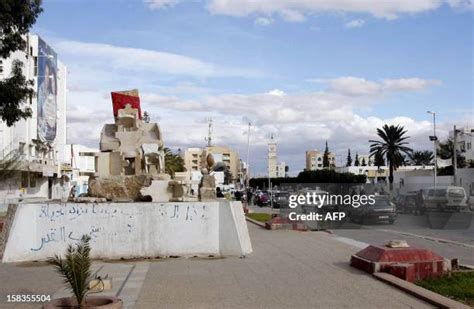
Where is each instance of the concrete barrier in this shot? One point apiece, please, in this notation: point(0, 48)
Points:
point(128, 230)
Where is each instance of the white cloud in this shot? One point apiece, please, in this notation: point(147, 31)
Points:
point(409, 83)
point(296, 10)
point(356, 23)
point(356, 86)
point(159, 4)
point(299, 122)
point(263, 21)
point(135, 59)
point(276, 92)
point(462, 4)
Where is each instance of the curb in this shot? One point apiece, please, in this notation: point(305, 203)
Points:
point(419, 292)
point(260, 224)
point(440, 240)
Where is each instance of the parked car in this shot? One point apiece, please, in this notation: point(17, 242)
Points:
point(383, 210)
point(281, 199)
point(409, 203)
point(262, 199)
point(444, 198)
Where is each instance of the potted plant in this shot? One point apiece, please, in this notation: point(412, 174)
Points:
point(75, 270)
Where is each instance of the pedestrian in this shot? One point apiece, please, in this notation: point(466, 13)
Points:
point(219, 192)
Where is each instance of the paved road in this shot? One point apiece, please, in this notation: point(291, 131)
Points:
point(287, 269)
point(451, 236)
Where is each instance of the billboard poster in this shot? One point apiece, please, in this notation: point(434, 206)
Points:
point(47, 92)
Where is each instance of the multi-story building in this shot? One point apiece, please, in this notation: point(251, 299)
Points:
point(79, 163)
point(192, 159)
point(314, 160)
point(376, 174)
point(465, 142)
point(229, 157)
point(275, 168)
point(35, 144)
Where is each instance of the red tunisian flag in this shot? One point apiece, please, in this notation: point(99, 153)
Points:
point(122, 98)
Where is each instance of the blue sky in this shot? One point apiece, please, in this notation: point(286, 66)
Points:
point(303, 70)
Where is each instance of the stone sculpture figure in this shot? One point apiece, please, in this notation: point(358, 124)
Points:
point(131, 151)
point(207, 186)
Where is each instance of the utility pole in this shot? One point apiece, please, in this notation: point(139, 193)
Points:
point(434, 138)
point(248, 157)
point(455, 154)
point(209, 133)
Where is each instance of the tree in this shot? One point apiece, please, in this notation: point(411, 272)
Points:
point(146, 117)
point(392, 145)
point(173, 162)
point(446, 151)
point(14, 91)
point(424, 157)
point(326, 156)
point(75, 268)
point(10, 165)
point(349, 158)
point(363, 162)
point(379, 160)
point(356, 162)
point(16, 18)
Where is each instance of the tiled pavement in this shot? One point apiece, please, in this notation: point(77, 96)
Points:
point(288, 269)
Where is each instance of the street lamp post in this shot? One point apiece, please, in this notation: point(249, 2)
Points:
point(434, 138)
point(247, 172)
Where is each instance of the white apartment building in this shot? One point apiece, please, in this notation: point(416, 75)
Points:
point(230, 158)
point(465, 142)
point(78, 163)
point(376, 174)
point(36, 143)
point(314, 160)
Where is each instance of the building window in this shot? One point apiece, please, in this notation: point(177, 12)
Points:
point(32, 180)
point(21, 148)
point(1, 66)
point(24, 179)
point(35, 60)
point(468, 146)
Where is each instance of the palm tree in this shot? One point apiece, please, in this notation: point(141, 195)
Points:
point(75, 269)
point(446, 151)
point(173, 162)
point(392, 145)
point(419, 157)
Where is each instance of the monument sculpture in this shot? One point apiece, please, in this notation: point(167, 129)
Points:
point(131, 154)
point(134, 208)
point(131, 162)
point(207, 186)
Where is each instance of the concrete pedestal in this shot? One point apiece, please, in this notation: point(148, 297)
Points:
point(409, 264)
point(128, 230)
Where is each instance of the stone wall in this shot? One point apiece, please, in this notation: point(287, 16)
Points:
point(128, 230)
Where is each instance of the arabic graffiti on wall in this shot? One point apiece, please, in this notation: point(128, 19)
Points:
point(66, 223)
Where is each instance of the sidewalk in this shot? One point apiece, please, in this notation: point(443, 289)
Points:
point(287, 269)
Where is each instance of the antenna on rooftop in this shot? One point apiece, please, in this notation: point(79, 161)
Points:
point(209, 133)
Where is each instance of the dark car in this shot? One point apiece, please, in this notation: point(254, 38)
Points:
point(409, 203)
point(262, 199)
point(383, 210)
point(281, 199)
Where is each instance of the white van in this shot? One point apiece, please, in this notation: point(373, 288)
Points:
point(444, 198)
